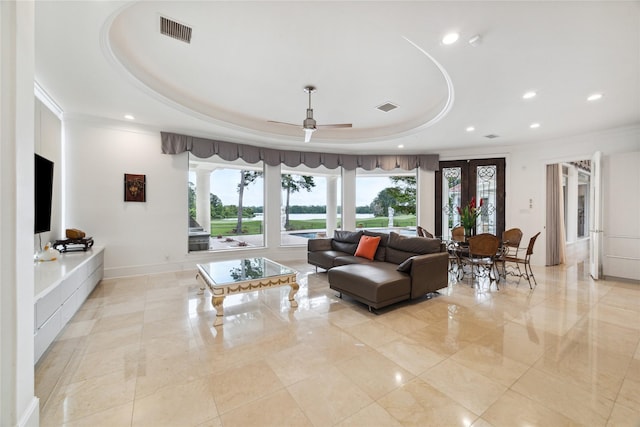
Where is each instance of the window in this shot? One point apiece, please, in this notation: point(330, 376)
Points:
point(575, 191)
point(386, 200)
point(309, 203)
point(226, 204)
point(583, 204)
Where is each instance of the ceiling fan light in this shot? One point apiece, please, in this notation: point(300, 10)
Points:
point(307, 134)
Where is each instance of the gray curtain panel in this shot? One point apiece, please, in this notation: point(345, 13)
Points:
point(555, 216)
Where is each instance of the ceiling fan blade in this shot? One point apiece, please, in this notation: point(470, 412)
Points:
point(283, 123)
point(337, 126)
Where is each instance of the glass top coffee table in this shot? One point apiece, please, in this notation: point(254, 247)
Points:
point(244, 275)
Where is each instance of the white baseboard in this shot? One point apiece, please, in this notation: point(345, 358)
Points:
point(193, 258)
point(31, 417)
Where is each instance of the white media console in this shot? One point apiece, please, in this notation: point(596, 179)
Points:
point(61, 287)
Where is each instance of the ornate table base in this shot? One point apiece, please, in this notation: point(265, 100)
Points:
point(220, 290)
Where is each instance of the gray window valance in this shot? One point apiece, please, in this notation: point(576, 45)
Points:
point(173, 143)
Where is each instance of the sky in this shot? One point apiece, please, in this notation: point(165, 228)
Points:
point(224, 185)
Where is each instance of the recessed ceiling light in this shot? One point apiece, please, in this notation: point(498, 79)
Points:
point(534, 125)
point(129, 117)
point(594, 97)
point(529, 95)
point(401, 146)
point(470, 129)
point(450, 38)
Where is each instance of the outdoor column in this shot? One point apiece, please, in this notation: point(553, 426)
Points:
point(349, 199)
point(272, 203)
point(203, 199)
point(332, 204)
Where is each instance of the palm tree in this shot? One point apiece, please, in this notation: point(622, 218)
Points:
point(293, 185)
point(246, 178)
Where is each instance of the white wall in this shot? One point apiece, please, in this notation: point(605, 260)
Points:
point(18, 405)
point(137, 236)
point(621, 225)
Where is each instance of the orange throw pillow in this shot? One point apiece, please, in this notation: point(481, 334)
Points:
point(367, 247)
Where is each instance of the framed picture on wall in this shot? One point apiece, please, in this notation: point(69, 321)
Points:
point(134, 188)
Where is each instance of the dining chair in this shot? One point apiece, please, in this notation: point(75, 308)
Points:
point(525, 261)
point(483, 251)
point(423, 233)
point(511, 239)
point(457, 233)
point(455, 266)
point(453, 247)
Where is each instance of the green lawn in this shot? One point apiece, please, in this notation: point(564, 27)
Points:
point(225, 228)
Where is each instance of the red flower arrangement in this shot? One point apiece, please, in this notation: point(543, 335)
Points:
point(469, 214)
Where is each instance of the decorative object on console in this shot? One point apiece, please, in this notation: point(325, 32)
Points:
point(74, 233)
point(69, 245)
point(47, 254)
point(134, 188)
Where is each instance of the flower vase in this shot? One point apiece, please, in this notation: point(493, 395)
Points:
point(468, 232)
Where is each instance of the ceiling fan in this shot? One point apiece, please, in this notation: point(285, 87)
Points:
point(309, 124)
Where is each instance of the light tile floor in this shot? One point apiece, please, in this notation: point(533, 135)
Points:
point(142, 351)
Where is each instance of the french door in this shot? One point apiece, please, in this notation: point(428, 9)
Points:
point(457, 182)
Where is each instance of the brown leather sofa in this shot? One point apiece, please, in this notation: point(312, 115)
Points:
point(403, 267)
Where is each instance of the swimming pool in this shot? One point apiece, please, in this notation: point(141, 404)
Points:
point(311, 235)
point(403, 231)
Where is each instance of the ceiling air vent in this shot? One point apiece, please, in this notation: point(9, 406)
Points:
point(386, 107)
point(174, 29)
point(491, 136)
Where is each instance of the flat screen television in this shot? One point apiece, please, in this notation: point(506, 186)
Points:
point(43, 194)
